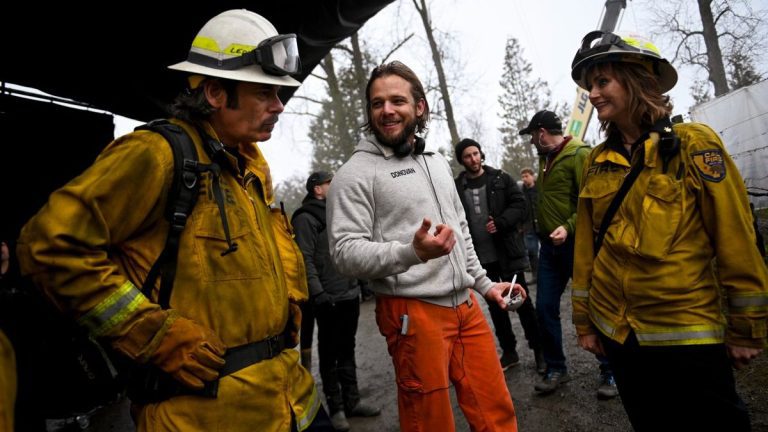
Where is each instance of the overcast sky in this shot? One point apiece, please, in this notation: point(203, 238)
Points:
point(549, 32)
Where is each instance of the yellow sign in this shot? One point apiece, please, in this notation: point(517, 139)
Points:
point(582, 111)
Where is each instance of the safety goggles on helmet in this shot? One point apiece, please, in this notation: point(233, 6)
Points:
point(607, 40)
point(277, 55)
point(600, 47)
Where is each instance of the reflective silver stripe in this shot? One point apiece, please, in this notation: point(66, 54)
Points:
point(303, 421)
point(603, 324)
point(112, 310)
point(739, 302)
point(580, 293)
point(701, 335)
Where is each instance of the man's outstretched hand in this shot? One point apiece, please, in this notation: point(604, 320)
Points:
point(429, 246)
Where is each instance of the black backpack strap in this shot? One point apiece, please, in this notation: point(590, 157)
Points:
point(668, 146)
point(613, 207)
point(216, 152)
point(181, 200)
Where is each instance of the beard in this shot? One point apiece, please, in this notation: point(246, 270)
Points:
point(473, 168)
point(395, 141)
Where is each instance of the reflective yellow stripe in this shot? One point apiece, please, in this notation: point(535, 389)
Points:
point(684, 335)
point(206, 43)
point(113, 310)
point(746, 303)
point(303, 421)
point(580, 293)
point(603, 324)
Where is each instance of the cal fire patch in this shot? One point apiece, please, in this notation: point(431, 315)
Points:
point(710, 164)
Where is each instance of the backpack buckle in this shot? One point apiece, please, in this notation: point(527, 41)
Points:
point(178, 221)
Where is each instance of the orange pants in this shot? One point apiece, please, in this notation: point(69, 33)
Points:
point(442, 344)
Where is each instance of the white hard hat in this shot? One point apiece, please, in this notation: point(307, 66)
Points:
point(243, 46)
point(605, 47)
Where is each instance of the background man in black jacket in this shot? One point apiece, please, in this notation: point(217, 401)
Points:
point(528, 177)
point(496, 210)
point(335, 302)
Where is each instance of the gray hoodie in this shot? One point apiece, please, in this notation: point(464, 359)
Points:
point(375, 205)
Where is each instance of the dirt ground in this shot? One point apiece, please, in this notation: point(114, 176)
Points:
point(573, 408)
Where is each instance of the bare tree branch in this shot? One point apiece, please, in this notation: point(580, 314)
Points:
point(396, 47)
point(720, 37)
point(344, 48)
point(318, 76)
point(721, 14)
point(307, 98)
point(301, 113)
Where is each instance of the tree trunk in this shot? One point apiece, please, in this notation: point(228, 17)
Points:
point(714, 56)
point(360, 75)
point(437, 58)
point(346, 143)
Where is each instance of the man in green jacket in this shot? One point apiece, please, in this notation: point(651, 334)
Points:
point(560, 168)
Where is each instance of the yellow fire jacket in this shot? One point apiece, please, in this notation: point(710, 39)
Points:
point(92, 245)
point(7, 383)
point(654, 273)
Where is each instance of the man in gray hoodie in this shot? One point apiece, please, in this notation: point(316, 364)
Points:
point(381, 206)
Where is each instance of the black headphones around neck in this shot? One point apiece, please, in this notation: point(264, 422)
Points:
point(404, 149)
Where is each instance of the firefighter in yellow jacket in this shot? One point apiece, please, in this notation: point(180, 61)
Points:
point(646, 292)
point(7, 360)
point(239, 275)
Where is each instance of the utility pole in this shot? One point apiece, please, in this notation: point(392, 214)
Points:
point(582, 109)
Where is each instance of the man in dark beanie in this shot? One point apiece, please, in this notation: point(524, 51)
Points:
point(496, 210)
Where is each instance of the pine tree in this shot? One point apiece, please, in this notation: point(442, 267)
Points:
point(522, 97)
point(290, 192)
point(741, 71)
point(335, 129)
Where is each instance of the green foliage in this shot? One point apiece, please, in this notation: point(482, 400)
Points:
point(700, 91)
point(741, 71)
point(336, 128)
point(290, 192)
point(334, 132)
point(522, 96)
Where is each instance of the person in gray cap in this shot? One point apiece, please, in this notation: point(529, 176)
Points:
point(561, 159)
point(307, 315)
point(335, 303)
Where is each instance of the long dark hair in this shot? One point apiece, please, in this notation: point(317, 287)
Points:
point(417, 91)
point(192, 106)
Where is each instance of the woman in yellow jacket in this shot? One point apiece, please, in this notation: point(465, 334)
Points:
point(644, 290)
point(239, 275)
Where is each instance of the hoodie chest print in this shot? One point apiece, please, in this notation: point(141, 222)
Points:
point(407, 171)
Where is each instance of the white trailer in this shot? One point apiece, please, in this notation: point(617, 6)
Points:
point(741, 119)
